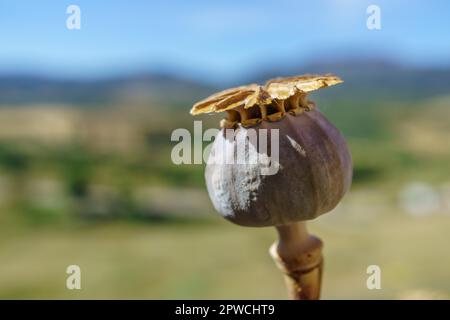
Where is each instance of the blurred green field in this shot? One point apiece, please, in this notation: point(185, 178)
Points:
point(216, 260)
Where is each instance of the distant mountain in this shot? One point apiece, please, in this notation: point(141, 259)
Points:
point(33, 89)
point(365, 80)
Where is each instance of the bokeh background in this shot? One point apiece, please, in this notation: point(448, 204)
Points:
point(86, 117)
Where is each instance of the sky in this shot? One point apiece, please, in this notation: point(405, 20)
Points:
point(214, 39)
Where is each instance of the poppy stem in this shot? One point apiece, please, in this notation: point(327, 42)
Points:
point(299, 256)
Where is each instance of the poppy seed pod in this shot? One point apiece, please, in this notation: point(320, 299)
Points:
point(311, 167)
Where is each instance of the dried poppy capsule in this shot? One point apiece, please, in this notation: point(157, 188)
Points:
point(313, 163)
point(313, 169)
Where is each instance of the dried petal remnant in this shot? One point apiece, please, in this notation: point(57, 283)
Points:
point(285, 87)
point(211, 103)
point(251, 104)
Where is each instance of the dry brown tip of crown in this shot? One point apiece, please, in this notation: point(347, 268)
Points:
point(251, 104)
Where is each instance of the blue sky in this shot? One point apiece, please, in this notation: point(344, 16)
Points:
point(214, 39)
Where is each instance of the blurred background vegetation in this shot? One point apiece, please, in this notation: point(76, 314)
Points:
point(86, 178)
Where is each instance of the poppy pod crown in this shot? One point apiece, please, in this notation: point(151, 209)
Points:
point(250, 104)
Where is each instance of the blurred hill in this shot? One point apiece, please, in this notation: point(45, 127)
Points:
point(367, 79)
point(26, 89)
point(364, 79)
